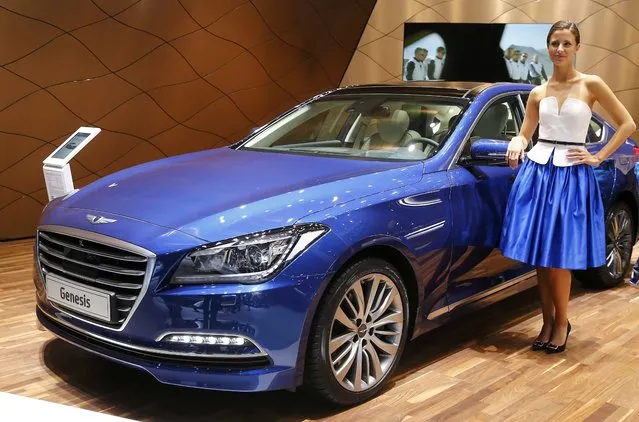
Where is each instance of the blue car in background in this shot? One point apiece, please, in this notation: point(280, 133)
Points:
point(310, 252)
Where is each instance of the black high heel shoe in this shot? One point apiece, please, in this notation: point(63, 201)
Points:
point(553, 348)
point(540, 345)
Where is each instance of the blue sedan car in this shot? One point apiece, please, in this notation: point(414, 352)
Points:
point(313, 250)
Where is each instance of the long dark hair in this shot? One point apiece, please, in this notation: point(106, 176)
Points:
point(560, 25)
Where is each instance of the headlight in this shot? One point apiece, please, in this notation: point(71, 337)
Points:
point(247, 259)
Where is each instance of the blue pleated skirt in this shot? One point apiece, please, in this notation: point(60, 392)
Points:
point(555, 217)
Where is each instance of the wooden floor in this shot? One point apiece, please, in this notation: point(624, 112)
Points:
point(476, 369)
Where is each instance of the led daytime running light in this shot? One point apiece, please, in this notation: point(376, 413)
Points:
point(206, 340)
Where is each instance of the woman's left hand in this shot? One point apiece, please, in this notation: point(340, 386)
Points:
point(582, 156)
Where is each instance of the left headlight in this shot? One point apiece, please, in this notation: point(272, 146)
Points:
point(247, 259)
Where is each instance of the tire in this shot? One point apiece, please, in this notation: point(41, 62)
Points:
point(362, 358)
point(620, 238)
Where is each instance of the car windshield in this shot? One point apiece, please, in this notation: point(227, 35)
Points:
point(379, 127)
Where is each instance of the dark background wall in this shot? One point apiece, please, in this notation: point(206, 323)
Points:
point(160, 77)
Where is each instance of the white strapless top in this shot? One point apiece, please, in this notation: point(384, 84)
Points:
point(568, 124)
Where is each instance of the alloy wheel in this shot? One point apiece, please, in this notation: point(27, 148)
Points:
point(366, 332)
point(618, 242)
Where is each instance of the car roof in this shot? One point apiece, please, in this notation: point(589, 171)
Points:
point(439, 88)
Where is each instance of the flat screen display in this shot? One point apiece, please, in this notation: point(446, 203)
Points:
point(71, 145)
point(476, 52)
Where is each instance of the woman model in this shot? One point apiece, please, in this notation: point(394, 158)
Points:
point(554, 217)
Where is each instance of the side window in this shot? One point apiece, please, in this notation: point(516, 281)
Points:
point(595, 131)
point(497, 122)
point(524, 99)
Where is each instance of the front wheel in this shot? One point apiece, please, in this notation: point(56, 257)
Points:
point(359, 333)
point(620, 237)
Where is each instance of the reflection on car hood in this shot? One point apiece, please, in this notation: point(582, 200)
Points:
point(223, 193)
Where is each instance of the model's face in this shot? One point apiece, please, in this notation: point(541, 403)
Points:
point(562, 47)
point(421, 56)
point(441, 54)
point(516, 57)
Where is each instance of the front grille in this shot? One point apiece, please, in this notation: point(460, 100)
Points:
point(95, 264)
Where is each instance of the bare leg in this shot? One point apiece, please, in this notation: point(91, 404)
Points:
point(560, 281)
point(547, 304)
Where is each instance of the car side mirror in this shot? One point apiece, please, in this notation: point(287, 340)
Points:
point(486, 151)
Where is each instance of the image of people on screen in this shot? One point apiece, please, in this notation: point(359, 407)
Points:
point(476, 52)
point(522, 70)
point(525, 54)
point(536, 72)
point(436, 65)
point(425, 54)
point(415, 68)
point(422, 68)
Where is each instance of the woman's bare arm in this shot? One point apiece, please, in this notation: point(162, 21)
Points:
point(620, 115)
point(519, 143)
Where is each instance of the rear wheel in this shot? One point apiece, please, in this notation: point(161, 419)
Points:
point(359, 333)
point(620, 238)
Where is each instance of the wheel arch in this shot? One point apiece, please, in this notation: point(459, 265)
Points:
point(388, 250)
point(402, 264)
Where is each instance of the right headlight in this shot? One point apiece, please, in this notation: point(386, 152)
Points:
point(247, 259)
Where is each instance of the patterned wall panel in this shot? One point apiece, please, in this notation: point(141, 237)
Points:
point(609, 36)
point(160, 77)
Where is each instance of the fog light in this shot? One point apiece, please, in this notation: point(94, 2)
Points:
point(205, 339)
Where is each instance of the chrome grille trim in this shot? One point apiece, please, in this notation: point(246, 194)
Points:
point(92, 251)
point(107, 268)
point(100, 280)
point(135, 291)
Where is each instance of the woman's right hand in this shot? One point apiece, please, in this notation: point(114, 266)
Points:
point(516, 151)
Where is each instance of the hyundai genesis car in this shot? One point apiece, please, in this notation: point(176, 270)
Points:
point(310, 252)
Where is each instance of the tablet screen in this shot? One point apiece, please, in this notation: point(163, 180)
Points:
point(70, 145)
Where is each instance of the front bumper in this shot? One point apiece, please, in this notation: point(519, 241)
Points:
point(276, 330)
point(274, 317)
point(243, 375)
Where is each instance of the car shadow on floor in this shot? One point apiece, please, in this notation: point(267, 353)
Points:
point(97, 384)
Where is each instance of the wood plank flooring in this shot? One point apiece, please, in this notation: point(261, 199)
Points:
point(479, 368)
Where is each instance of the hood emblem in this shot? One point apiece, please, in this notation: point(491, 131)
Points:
point(98, 219)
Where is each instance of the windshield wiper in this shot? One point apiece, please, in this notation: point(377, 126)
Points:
point(315, 151)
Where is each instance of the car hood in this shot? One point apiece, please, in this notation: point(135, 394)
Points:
point(223, 193)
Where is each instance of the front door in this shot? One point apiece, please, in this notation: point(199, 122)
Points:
point(479, 194)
